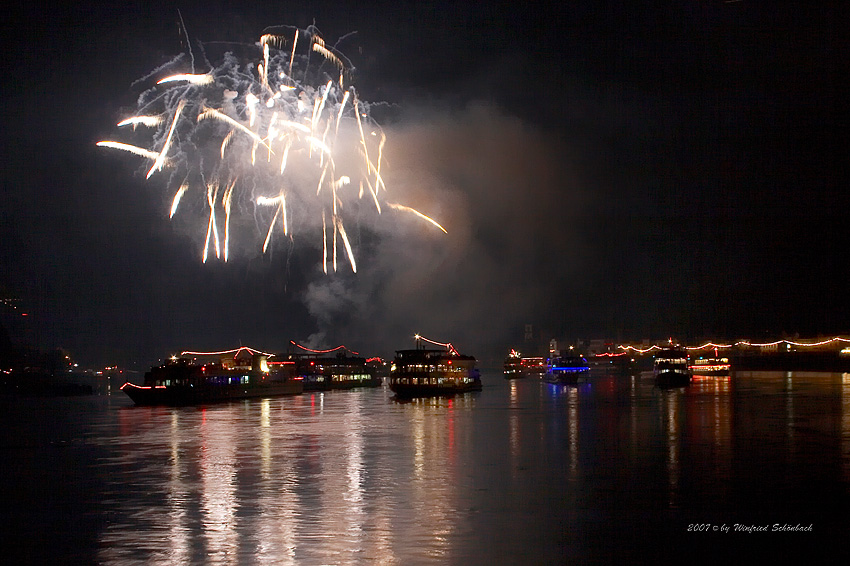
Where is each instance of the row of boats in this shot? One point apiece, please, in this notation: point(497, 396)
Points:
point(247, 373)
point(418, 372)
point(672, 367)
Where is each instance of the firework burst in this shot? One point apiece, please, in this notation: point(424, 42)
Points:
point(262, 136)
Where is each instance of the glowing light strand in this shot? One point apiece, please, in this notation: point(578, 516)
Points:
point(340, 347)
point(712, 345)
point(446, 345)
point(222, 352)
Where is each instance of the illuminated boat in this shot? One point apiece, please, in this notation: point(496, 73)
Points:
point(516, 367)
point(533, 366)
point(321, 372)
point(183, 382)
point(612, 364)
point(338, 372)
point(431, 372)
point(670, 367)
point(566, 369)
point(513, 366)
point(711, 367)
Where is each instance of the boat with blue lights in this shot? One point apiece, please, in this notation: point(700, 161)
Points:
point(184, 381)
point(424, 372)
point(670, 367)
point(566, 369)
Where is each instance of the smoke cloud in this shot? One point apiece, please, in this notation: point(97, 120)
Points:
point(505, 192)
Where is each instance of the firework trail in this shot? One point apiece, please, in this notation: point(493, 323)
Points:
point(265, 138)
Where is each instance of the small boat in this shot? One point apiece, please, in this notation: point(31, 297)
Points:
point(566, 369)
point(181, 381)
point(433, 372)
point(710, 367)
point(513, 366)
point(671, 368)
point(516, 366)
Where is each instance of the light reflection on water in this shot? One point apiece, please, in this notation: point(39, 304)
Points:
point(310, 479)
point(522, 472)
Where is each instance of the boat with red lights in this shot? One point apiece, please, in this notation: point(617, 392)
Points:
point(423, 372)
point(321, 371)
point(566, 369)
point(711, 367)
point(607, 363)
point(183, 381)
point(516, 366)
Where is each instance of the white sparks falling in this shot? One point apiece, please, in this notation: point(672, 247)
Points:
point(131, 148)
point(149, 121)
point(310, 132)
point(416, 212)
point(188, 78)
point(160, 159)
point(175, 202)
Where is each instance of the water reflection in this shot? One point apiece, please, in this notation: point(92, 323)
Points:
point(845, 425)
point(789, 412)
point(572, 415)
point(218, 470)
point(513, 424)
point(353, 477)
point(670, 416)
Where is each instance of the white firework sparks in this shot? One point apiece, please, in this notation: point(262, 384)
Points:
point(267, 139)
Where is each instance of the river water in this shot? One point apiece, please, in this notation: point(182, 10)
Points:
point(521, 473)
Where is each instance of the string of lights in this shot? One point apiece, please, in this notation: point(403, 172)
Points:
point(447, 345)
point(712, 345)
point(340, 347)
point(234, 351)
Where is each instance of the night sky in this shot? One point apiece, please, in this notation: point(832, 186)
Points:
point(623, 171)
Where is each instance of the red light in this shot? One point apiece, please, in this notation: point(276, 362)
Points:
point(341, 347)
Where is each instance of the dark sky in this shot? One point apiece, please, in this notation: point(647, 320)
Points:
point(604, 170)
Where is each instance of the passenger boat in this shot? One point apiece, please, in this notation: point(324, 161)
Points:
point(612, 364)
point(670, 367)
point(534, 366)
point(516, 366)
point(338, 372)
point(711, 367)
point(320, 371)
point(181, 381)
point(566, 369)
point(513, 366)
point(433, 372)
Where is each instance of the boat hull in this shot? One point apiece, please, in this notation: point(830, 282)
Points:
point(712, 373)
point(672, 379)
point(403, 391)
point(182, 395)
